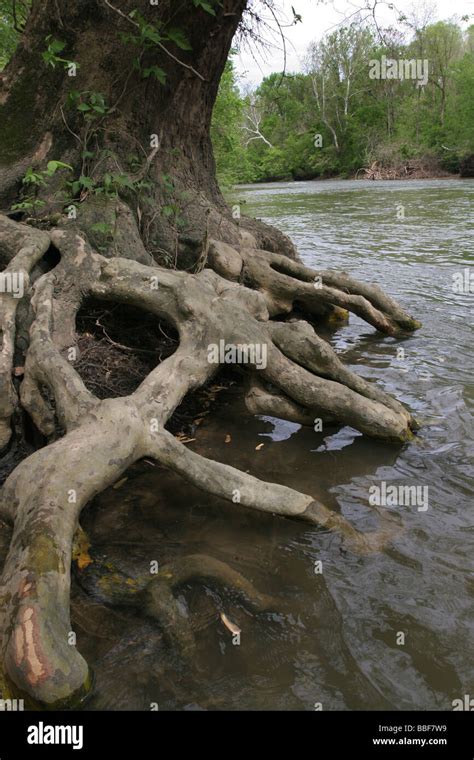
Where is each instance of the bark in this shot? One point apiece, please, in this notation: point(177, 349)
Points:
point(38, 123)
point(241, 280)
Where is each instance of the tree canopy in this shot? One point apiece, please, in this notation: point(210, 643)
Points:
point(334, 118)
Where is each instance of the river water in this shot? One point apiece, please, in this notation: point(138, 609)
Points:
point(391, 630)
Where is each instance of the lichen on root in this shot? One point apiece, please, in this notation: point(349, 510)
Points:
point(235, 296)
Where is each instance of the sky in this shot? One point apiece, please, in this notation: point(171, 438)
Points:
point(319, 18)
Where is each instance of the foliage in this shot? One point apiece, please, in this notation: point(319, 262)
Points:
point(331, 120)
point(232, 160)
point(12, 20)
point(33, 181)
point(50, 55)
point(272, 133)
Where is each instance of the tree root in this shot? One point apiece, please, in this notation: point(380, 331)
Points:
point(21, 247)
point(43, 497)
point(154, 595)
point(324, 293)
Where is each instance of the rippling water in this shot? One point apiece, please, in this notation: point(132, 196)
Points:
point(333, 637)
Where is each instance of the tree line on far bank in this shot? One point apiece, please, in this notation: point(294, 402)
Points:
point(398, 107)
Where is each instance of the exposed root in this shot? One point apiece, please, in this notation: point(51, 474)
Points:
point(155, 595)
point(21, 247)
point(323, 293)
point(43, 497)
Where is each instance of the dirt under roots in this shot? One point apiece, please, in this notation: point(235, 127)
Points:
point(118, 348)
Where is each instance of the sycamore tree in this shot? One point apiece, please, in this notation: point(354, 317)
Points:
point(279, 127)
point(443, 45)
point(338, 66)
point(108, 191)
point(460, 105)
point(437, 118)
point(228, 145)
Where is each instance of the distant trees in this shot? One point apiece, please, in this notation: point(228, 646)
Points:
point(444, 47)
point(12, 20)
point(338, 73)
point(334, 118)
point(232, 160)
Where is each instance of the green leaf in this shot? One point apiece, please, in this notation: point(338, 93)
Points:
point(167, 182)
point(179, 38)
point(205, 6)
point(86, 182)
point(53, 166)
point(151, 34)
point(33, 178)
point(83, 107)
point(156, 72)
point(56, 46)
point(73, 96)
point(48, 58)
point(28, 204)
point(122, 180)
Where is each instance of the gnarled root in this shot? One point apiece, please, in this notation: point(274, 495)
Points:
point(155, 594)
point(323, 293)
point(43, 497)
point(21, 247)
point(160, 602)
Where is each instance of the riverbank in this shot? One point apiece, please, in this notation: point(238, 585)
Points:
point(403, 171)
point(413, 169)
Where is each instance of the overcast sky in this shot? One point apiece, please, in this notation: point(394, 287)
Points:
point(321, 17)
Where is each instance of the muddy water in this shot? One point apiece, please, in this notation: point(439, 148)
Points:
point(393, 630)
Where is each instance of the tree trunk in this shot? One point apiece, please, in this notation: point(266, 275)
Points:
point(40, 123)
point(143, 224)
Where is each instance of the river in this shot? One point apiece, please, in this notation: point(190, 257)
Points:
point(391, 630)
